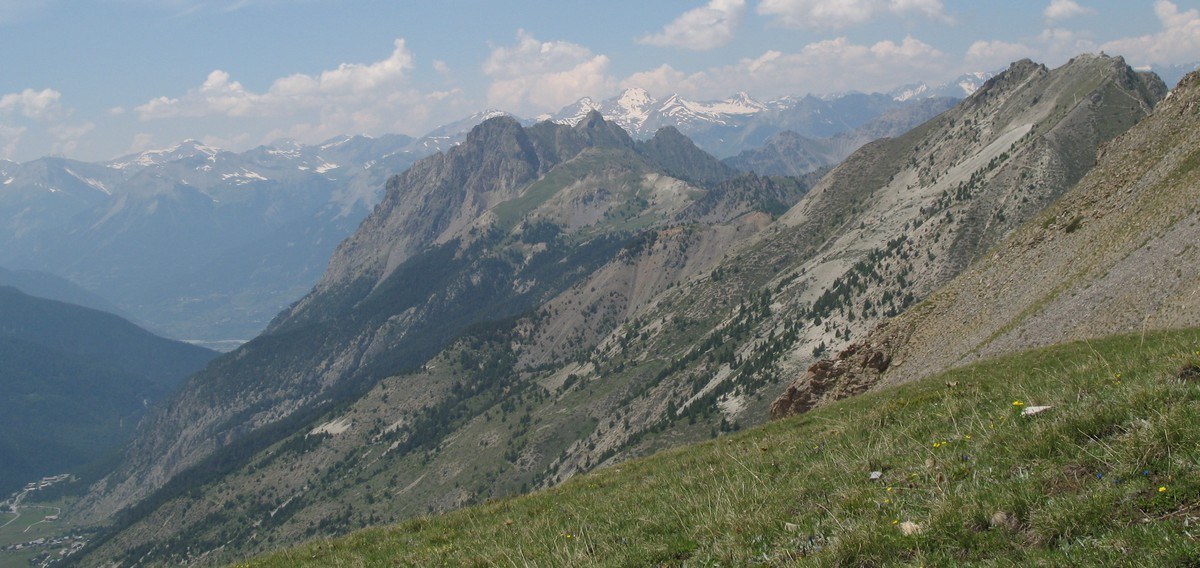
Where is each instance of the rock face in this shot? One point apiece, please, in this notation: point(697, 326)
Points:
point(1115, 254)
point(856, 368)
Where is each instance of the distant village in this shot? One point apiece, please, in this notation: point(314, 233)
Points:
point(57, 547)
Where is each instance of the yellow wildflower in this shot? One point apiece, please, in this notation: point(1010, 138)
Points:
point(1162, 489)
point(1018, 403)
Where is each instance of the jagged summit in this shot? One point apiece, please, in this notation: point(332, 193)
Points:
point(601, 132)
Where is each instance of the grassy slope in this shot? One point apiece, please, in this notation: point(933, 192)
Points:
point(1108, 476)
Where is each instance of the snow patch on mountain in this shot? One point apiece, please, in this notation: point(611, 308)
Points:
point(91, 182)
point(186, 149)
point(243, 177)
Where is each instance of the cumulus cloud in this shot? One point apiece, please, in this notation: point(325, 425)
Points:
point(1177, 42)
point(817, 67)
point(441, 68)
point(40, 105)
point(1053, 46)
point(534, 76)
point(66, 137)
point(701, 29)
point(142, 141)
point(40, 114)
point(10, 137)
point(994, 54)
point(1060, 10)
point(372, 98)
point(660, 80)
point(838, 14)
point(349, 83)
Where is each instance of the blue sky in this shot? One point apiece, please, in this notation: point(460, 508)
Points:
point(94, 79)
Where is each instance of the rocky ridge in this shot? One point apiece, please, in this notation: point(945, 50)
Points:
point(1116, 254)
point(884, 229)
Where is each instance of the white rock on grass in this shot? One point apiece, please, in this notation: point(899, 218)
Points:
point(1031, 410)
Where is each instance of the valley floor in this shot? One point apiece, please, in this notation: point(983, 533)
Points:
point(961, 468)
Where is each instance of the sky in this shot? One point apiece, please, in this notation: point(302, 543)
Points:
point(97, 79)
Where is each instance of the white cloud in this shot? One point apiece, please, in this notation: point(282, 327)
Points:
point(349, 83)
point(1060, 10)
point(659, 81)
point(10, 137)
point(41, 110)
point(66, 137)
point(818, 67)
point(838, 14)
point(1053, 47)
point(1059, 44)
point(142, 141)
point(987, 55)
point(353, 98)
point(701, 29)
point(1177, 42)
point(533, 76)
point(40, 105)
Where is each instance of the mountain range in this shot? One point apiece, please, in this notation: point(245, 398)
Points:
point(208, 245)
point(542, 300)
point(195, 242)
point(726, 127)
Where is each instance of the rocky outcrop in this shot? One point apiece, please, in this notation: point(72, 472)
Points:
point(854, 370)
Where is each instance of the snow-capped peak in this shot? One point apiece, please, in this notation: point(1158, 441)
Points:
point(909, 92)
point(577, 112)
point(634, 98)
point(337, 141)
point(635, 110)
point(187, 149)
point(743, 101)
point(489, 114)
point(964, 86)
